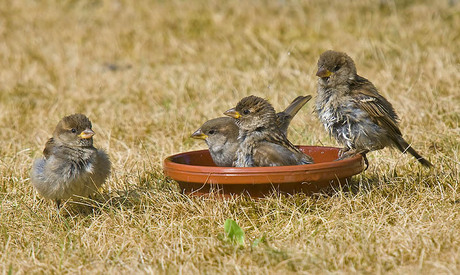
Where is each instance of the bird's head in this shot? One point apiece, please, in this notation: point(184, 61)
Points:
point(74, 130)
point(216, 132)
point(253, 112)
point(335, 68)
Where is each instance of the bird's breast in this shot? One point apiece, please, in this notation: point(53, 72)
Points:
point(337, 111)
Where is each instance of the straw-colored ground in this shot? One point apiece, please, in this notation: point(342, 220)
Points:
point(149, 73)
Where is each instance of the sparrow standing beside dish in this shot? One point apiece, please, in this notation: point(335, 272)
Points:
point(71, 165)
point(353, 112)
point(261, 142)
point(221, 134)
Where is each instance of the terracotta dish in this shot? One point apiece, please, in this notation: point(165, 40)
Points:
point(197, 174)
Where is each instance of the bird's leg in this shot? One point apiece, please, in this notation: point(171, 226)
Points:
point(92, 199)
point(58, 205)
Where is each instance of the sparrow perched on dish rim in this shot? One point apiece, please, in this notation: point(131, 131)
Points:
point(353, 112)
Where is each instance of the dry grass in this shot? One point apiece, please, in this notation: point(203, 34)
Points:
point(148, 74)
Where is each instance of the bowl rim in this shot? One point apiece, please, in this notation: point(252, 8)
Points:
point(171, 165)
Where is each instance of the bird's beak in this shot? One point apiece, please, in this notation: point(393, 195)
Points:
point(322, 72)
point(232, 113)
point(88, 133)
point(199, 135)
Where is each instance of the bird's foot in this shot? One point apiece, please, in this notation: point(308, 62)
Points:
point(342, 152)
point(366, 161)
point(348, 153)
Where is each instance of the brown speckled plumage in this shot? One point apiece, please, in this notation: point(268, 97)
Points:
point(71, 166)
point(221, 134)
point(262, 143)
point(352, 110)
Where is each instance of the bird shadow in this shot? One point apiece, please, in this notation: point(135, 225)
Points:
point(363, 183)
point(108, 202)
point(100, 203)
point(131, 199)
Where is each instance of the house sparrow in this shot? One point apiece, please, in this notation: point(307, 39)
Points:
point(261, 142)
point(71, 165)
point(353, 112)
point(221, 134)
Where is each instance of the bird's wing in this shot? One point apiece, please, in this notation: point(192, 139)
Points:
point(48, 148)
point(378, 108)
point(271, 154)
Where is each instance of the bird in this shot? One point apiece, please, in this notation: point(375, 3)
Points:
point(353, 112)
point(261, 142)
point(221, 134)
point(71, 165)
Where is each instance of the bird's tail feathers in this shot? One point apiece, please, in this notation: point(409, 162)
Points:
point(404, 147)
point(296, 105)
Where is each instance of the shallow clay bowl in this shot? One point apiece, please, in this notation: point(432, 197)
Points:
point(197, 174)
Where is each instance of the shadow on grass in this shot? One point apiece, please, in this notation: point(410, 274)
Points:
point(132, 198)
point(153, 188)
point(366, 182)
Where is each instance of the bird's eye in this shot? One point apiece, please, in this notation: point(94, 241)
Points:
point(73, 130)
point(336, 68)
point(246, 112)
point(212, 132)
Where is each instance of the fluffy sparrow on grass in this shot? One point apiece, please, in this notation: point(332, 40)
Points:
point(221, 134)
point(353, 112)
point(71, 165)
point(261, 141)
